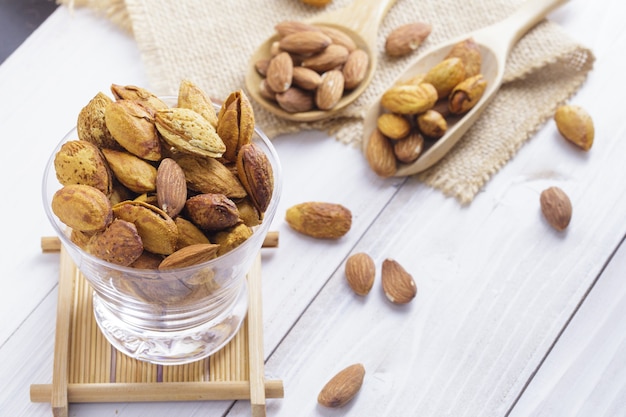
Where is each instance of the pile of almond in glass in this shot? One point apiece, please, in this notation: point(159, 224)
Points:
point(157, 186)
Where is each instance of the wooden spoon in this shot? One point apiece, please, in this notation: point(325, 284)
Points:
point(360, 21)
point(495, 43)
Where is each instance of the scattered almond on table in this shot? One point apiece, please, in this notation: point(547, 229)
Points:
point(398, 284)
point(342, 387)
point(321, 220)
point(576, 125)
point(556, 207)
point(360, 273)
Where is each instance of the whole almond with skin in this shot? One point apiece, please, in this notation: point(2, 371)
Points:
point(190, 255)
point(286, 27)
point(576, 125)
point(406, 38)
point(330, 90)
point(229, 239)
point(466, 94)
point(305, 42)
point(408, 149)
point(265, 91)
point(355, 68)
point(280, 72)
point(296, 100)
point(256, 175)
point(331, 57)
point(319, 220)
point(339, 37)
point(360, 273)
point(306, 78)
point(171, 187)
point(380, 155)
point(556, 207)
point(342, 387)
point(188, 233)
point(398, 284)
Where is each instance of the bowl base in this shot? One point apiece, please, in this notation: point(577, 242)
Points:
point(171, 347)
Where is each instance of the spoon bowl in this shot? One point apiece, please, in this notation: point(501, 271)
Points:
point(495, 42)
point(360, 21)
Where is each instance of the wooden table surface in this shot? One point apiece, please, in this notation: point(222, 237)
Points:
point(511, 318)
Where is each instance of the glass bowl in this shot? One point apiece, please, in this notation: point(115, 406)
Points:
point(174, 316)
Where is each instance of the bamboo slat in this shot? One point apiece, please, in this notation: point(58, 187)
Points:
point(88, 369)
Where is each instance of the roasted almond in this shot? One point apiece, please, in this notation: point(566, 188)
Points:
point(320, 220)
point(393, 126)
point(119, 243)
point(212, 211)
point(576, 125)
point(82, 207)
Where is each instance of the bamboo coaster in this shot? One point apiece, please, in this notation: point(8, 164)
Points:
point(87, 368)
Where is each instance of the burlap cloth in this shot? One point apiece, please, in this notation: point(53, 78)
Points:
point(211, 43)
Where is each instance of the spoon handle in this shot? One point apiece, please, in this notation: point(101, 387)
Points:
point(511, 29)
point(362, 16)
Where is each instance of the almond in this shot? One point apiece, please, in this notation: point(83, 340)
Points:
point(406, 38)
point(330, 58)
point(286, 27)
point(432, 124)
point(409, 98)
point(316, 3)
point(408, 149)
point(360, 273)
point(393, 126)
point(306, 78)
point(305, 42)
point(190, 255)
point(295, 100)
point(171, 187)
point(355, 68)
point(398, 284)
point(339, 37)
point(330, 90)
point(319, 219)
point(556, 207)
point(82, 207)
point(576, 125)
point(212, 211)
point(280, 72)
point(379, 154)
point(119, 243)
point(342, 387)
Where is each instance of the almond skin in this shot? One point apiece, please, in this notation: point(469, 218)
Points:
point(342, 388)
point(305, 42)
point(380, 155)
point(355, 68)
point(556, 207)
point(280, 72)
point(360, 273)
point(398, 284)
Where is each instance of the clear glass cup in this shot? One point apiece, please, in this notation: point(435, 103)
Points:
point(174, 316)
